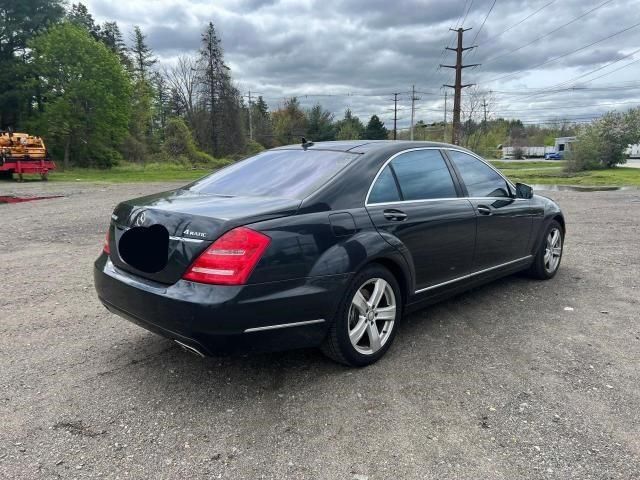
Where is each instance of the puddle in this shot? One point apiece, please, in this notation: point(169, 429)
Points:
point(16, 199)
point(581, 188)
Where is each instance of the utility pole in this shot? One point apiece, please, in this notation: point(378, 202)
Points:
point(444, 133)
point(413, 107)
point(455, 136)
point(484, 108)
point(395, 116)
point(250, 118)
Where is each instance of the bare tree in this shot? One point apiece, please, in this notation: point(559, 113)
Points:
point(183, 82)
point(477, 110)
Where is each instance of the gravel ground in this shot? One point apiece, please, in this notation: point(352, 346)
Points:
point(517, 379)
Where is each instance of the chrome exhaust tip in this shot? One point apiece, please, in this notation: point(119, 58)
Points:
point(190, 349)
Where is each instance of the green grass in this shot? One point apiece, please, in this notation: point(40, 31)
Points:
point(552, 174)
point(531, 172)
point(526, 164)
point(153, 172)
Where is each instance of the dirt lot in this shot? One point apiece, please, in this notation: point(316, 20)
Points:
point(518, 379)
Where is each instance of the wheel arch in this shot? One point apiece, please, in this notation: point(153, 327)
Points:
point(398, 271)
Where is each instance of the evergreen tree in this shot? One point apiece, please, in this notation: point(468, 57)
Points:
point(350, 127)
point(143, 57)
point(141, 126)
point(112, 37)
point(223, 132)
point(320, 126)
point(375, 129)
point(21, 21)
point(79, 15)
point(214, 74)
point(262, 125)
point(289, 123)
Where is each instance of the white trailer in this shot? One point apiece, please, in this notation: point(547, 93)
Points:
point(527, 152)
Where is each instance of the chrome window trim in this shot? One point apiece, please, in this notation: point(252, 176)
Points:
point(400, 202)
point(469, 275)
point(284, 325)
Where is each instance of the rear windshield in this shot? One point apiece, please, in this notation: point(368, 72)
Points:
point(276, 173)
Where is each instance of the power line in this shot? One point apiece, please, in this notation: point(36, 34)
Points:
point(566, 54)
point(482, 25)
point(493, 59)
point(572, 80)
point(519, 22)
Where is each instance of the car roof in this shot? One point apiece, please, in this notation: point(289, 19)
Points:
point(366, 146)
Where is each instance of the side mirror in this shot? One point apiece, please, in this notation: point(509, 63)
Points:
point(523, 191)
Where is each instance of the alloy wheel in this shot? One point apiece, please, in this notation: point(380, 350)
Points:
point(553, 250)
point(372, 315)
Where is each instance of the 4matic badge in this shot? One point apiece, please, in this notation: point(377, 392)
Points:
point(194, 234)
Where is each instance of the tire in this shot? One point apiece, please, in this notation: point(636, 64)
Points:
point(543, 267)
point(364, 322)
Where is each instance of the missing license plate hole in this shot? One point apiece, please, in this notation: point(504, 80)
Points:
point(145, 248)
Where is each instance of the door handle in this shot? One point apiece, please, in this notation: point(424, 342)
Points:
point(395, 215)
point(484, 210)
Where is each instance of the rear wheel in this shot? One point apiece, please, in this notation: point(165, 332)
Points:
point(547, 261)
point(367, 318)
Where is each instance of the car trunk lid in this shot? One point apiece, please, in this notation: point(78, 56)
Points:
point(157, 237)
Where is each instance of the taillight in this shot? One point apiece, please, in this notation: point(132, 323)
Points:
point(106, 248)
point(230, 259)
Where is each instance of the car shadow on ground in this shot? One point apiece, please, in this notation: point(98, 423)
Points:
point(156, 363)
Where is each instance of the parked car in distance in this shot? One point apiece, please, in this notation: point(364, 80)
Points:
point(554, 156)
point(321, 245)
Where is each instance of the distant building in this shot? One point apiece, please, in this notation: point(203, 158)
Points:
point(563, 144)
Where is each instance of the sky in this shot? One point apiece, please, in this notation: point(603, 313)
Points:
point(540, 60)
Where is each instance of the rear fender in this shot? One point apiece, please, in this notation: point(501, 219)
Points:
point(359, 250)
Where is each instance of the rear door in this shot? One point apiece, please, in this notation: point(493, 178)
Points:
point(504, 222)
point(415, 200)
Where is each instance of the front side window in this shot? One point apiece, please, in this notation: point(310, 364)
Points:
point(419, 174)
point(276, 173)
point(480, 179)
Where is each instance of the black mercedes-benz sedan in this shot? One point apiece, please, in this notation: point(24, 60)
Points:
point(324, 244)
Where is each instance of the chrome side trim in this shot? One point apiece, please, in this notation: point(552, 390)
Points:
point(283, 325)
point(367, 204)
point(469, 275)
point(183, 239)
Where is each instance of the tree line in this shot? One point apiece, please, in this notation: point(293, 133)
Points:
point(97, 100)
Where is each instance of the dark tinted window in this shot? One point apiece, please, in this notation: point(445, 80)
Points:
point(385, 189)
point(480, 180)
point(423, 174)
point(277, 173)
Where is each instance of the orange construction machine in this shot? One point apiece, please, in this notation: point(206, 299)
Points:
point(22, 153)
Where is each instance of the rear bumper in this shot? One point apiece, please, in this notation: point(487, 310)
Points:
point(224, 319)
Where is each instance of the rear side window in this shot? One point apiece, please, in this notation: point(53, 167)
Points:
point(423, 174)
point(480, 179)
point(276, 173)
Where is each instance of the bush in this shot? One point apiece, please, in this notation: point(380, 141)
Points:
point(602, 144)
point(518, 153)
point(133, 150)
point(253, 148)
point(179, 144)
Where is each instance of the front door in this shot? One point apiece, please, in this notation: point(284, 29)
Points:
point(414, 203)
point(504, 222)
